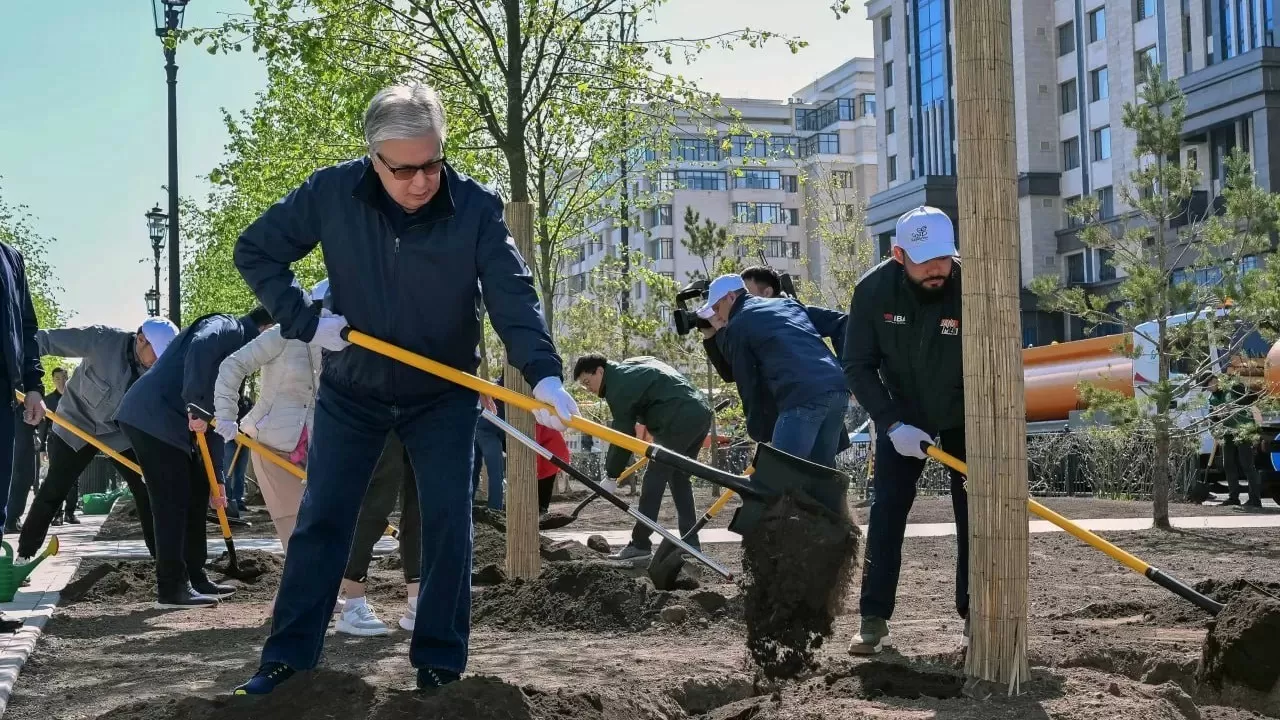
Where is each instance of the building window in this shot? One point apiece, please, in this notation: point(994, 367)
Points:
point(893, 168)
point(1069, 221)
point(841, 179)
point(695, 150)
point(886, 27)
point(666, 181)
point(758, 180)
point(1106, 271)
point(1106, 202)
point(1099, 84)
point(820, 144)
point(1068, 96)
point(1146, 9)
point(867, 104)
point(1076, 269)
point(700, 180)
point(577, 283)
point(790, 183)
point(783, 145)
point(888, 74)
point(1102, 143)
point(932, 117)
point(747, 146)
point(1145, 61)
point(888, 122)
point(662, 249)
point(792, 215)
point(662, 215)
point(1066, 39)
point(762, 213)
point(1193, 157)
point(1097, 25)
point(776, 247)
point(1248, 263)
point(1071, 154)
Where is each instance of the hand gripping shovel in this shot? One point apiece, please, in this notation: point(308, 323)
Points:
point(267, 454)
point(1155, 575)
point(776, 472)
point(557, 521)
point(595, 487)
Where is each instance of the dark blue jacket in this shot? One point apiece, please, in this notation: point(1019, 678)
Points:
point(771, 342)
point(19, 325)
point(418, 287)
point(185, 373)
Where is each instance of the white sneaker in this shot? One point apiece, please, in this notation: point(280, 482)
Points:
point(359, 619)
point(407, 620)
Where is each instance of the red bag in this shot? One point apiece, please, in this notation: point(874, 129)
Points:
point(553, 441)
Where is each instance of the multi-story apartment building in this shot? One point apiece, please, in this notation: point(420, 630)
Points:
point(749, 181)
point(1077, 62)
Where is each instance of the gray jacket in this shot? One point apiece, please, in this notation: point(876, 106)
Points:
point(109, 367)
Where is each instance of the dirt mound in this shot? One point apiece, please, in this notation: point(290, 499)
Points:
point(331, 694)
point(876, 679)
point(796, 565)
point(124, 581)
point(492, 519)
point(1107, 611)
point(1242, 643)
point(489, 542)
point(566, 596)
point(488, 545)
point(1224, 591)
point(259, 576)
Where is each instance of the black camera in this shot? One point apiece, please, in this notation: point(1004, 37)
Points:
point(684, 319)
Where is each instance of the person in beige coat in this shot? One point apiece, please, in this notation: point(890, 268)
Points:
point(281, 419)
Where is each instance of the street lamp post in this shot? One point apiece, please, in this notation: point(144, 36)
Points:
point(168, 18)
point(157, 223)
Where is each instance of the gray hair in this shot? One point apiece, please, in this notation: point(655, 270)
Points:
point(403, 112)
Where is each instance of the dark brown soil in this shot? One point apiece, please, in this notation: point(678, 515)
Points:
point(796, 566)
point(568, 596)
point(124, 581)
point(1244, 644)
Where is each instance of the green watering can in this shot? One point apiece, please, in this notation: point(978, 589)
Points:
point(100, 503)
point(11, 577)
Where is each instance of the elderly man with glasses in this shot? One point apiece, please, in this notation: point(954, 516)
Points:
point(411, 247)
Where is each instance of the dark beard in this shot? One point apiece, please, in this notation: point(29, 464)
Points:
point(926, 293)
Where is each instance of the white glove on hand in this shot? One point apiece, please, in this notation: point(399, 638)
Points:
point(227, 429)
point(907, 440)
point(329, 332)
point(551, 391)
point(610, 486)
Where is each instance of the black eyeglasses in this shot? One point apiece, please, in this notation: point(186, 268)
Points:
point(409, 172)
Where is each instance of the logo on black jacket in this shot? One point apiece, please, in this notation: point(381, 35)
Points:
point(949, 326)
point(895, 319)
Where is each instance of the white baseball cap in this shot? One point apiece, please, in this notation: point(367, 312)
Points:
point(720, 287)
point(158, 331)
point(926, 234)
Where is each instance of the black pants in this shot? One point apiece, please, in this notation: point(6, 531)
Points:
point(895, 483)
point(546, 486)
point(392, 477)
point(1240, 458)
point(179, 494)
point(65, 467)
point(658, 477)
point(25, 467)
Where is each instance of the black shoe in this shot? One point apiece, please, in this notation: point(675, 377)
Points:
point(12, 528)
point(185, 599)
point(56, 522)
point(1253, 503)
point(1231, 502)
point(268, 677)
point(72, 519)
point(204, 586)
point(433, 678)
point(9, 625)
point(243, 508)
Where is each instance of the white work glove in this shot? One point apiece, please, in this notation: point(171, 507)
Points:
point(610, 486)
point(551, 391)
point(907, 440)
point(227, 429)
point(329, 332)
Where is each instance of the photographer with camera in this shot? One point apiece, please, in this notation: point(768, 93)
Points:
point(776, 354)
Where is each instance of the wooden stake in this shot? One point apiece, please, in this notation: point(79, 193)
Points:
point(995, 419)
point(523, 560)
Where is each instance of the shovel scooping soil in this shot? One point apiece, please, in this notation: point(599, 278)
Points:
point(1242, 644)
point(797, 565)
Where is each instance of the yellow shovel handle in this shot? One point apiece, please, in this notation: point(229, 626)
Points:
point(213, 483)
point(720, 502)
point(1130, 561)
point(635, 468)
point(484, 387)
point(59, 420)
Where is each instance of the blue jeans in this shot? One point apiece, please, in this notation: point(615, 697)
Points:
point(347, 438)
point(8, 428)
point(812, 431)
point(234, 476)
point(489, 449)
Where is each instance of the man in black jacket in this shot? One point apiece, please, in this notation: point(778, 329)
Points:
point(153, 415)
point(412, 247)
point(903, 361)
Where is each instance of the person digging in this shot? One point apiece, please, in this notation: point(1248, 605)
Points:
point(412, 247)
point(645, 389)
point(154, 416)
point(111, 361)
point(903, 361)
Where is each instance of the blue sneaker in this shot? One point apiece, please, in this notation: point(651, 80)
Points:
point(433, 678)
point(267, 678)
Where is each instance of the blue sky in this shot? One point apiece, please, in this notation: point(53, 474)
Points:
point(83, 135)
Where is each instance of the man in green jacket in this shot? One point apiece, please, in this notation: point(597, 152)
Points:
point(647, 390)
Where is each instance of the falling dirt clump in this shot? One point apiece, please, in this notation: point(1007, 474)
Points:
point(1242, 644)
point(125, 581)
point(796, 565)
point(566, 596)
